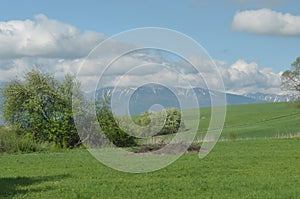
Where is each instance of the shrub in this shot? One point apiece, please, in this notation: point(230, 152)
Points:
point(11, 142)
point(109, 126)
point(171, 118)
point(232, 136)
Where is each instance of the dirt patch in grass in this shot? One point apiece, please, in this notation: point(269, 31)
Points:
point(169, 149)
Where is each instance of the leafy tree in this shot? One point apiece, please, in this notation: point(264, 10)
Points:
point(144, 119)
point(42, 106)
point(172, 122)
point(109, 126)
point(291, 78)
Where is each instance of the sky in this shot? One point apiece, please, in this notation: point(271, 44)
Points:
point(251, 41)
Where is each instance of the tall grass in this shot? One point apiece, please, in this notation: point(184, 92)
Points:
point(11, 142)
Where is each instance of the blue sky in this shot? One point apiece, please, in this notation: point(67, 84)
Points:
point(208, 22)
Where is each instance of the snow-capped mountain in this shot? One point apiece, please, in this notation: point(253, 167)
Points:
point(142, 98)
point(272, 97)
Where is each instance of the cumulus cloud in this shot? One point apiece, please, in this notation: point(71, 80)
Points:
point(45, 37)
point(55, 47)
point(242, 78)
point(267, 22)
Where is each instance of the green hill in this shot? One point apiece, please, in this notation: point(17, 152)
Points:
point(262, 120)
point(249, 121)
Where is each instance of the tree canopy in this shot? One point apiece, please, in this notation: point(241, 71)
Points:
point(109, 126)
point(41, 106)
point(172, 122)
point(291, 78)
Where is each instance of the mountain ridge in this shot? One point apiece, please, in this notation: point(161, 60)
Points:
point(142, 98)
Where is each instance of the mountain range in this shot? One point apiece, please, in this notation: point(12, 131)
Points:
point(144, 97)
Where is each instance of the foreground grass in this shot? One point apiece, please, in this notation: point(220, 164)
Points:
point(235, 169)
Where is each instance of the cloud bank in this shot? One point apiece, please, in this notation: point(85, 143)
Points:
point(267, 22)
point(60, 48)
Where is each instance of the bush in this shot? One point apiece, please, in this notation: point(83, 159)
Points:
point(11, 142)
point(109, 126)
point(232, 136)
point(171, 117)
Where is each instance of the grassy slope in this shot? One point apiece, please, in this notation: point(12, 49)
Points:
point(262, 120)
point(235, 169)
point(253, 120)
point(247, 121)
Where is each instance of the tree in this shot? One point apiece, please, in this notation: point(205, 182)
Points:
point(291, 78)
point(42, 107)
point(109, 126)
point(172, 121)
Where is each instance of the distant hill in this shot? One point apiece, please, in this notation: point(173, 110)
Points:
point(146, 96)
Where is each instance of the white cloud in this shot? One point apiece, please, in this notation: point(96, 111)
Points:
point(267, 21)
point(45, 38)
point(56, 47)
point(242, 77)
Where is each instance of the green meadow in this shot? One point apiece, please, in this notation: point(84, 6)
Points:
point(266, 168)
point(258, 156)
point(261, 120)
point(255, 120)
point(250, 121)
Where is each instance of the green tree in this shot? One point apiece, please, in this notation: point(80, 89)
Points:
point(291, 78)
point(109, 126)
point(42, 106)
point(172, 122)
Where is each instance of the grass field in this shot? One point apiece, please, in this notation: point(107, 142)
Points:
point(236, 168)
point(248, 121)
point(262, 120)
point(266, 168)
point(257, 120)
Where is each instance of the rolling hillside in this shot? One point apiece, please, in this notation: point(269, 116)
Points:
point(265, 120)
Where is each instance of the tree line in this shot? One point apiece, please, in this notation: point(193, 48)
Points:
point(40, 107)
